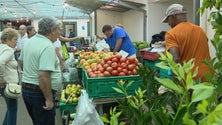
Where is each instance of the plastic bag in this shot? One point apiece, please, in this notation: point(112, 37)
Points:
point(86, 113)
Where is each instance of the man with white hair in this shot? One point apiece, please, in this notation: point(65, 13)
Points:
point(22, 38)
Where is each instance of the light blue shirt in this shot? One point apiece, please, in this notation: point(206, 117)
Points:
point(37, 55)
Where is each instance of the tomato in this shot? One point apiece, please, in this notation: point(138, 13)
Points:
point(125, 71)
point(115, 73)
point(106, 73)
point(107, 59)
point(94, 69)
point(109, 69)
point(89, 70)
point(122, 60)
point(106, 65)
point(109, 62)
point(131, 60)
point(119, 69)
point(123, 65)
point(122, 74)
point(114, 59)
point(101, 69)
point(102, 63)
point(93, 75)
point(130, 73)
point(131, 67)
point(114, 65)
point(100, 75)
point(135, 72)
point(118, 56)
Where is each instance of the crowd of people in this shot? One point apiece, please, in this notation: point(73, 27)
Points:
point(31, 51)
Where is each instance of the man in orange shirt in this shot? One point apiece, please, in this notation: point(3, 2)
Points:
point(185, 40)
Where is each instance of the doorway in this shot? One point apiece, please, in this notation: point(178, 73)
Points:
point(69, 26)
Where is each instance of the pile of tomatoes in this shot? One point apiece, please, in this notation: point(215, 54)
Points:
point(115, 65)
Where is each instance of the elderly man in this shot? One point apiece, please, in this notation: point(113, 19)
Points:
point(185, 40)
point(41, 72)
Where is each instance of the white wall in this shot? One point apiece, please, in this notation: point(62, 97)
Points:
point(107, 17)
point(156, 12)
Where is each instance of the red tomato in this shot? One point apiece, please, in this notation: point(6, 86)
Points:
point(118, 56)
point(114, 59)
point(109, 69)
point(119, 69)
point(123, 65)
point(100, 75)
point(89, 70)
point(105, 66)
point(131, 67)
point(114, 65)
point(101, 69)
point(106, 73)
point(131, 60)
point(109, 62)
point(115, 73)
point(93, 76)
point(125, 71)
point(94, 69)
point(102, 63)
point(130, 73)
point(135, 72)
point(122, 74)
point(107, 59)
point(122, 60)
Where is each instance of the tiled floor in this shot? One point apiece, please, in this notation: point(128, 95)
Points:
point(23, 117)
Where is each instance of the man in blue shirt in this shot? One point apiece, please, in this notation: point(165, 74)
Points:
point(118, 39)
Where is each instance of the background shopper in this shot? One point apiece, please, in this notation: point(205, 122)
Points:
point(8, 72)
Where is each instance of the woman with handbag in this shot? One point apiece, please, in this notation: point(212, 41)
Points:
point(8, 72)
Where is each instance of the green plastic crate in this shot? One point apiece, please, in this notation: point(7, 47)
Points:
point(163, 73)
point(67, 106)
point(102, 87)
point(152, 64)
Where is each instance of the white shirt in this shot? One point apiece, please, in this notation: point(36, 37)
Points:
point(21, 41)
point(57, 44)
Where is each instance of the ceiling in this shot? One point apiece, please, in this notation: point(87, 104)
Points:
point(62, 9)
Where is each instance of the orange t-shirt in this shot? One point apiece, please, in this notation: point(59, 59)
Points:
point(192, 43)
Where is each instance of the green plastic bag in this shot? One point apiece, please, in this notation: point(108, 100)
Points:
point(65, 52)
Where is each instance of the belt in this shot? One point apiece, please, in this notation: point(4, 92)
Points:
point(34, 87)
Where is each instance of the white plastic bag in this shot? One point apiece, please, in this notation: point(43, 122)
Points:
point(86, 113)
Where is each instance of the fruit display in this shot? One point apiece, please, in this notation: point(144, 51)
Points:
point(91, 59)
point(116, 65)
point(140, 44)
point(71, 93)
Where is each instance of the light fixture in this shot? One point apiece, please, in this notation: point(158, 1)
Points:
point(5, 10)
point(65, 5)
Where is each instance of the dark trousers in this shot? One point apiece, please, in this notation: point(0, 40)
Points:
point(34, 101)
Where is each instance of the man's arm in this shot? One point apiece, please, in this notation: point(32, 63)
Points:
point(61, 60)
point(118, 45)
point(176, 54)
point(45, 86)
point(64, 39)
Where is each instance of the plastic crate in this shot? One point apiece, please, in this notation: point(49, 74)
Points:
point(152, 64)
point(164, 73)
point(102, 87)
point(153, 56)
point(67, 107)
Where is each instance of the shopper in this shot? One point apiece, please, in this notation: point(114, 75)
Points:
point(118, 39)
point(41, 72)
point(22, 38)
point(8, 72)
point(30, 31)
point(185, 40)
point(6, 24)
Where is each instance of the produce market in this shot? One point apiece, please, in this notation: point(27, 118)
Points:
point(110, 62)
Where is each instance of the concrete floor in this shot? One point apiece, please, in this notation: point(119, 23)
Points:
point(23, 116)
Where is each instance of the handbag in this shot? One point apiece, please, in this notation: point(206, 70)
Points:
point(12, 91)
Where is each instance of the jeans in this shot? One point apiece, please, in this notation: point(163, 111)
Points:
point(12, 108)
point(34, 101)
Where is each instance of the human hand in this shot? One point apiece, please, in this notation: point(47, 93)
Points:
point(48, 105)
point(100, 37)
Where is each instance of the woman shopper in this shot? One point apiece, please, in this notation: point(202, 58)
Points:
point(8, 72)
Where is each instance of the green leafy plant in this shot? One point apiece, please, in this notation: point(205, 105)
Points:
point(114, 118)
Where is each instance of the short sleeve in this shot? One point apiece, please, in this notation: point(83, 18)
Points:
point(170, 41)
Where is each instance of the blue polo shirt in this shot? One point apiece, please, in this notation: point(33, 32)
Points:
point(127, 44)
